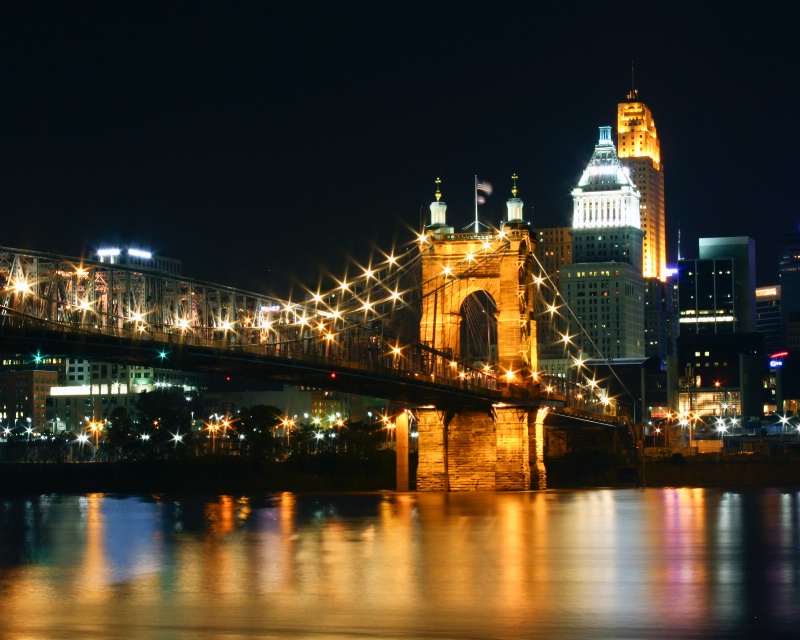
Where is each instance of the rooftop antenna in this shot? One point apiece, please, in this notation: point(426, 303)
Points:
point(679, 242)
point(633, 92)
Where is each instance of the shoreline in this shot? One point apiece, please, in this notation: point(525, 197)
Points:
point(234, 475)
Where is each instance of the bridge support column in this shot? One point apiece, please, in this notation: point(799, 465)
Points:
point(473, 450)
point(536, 447)
point(401, 450)
point(513, 472)
point(431, 446)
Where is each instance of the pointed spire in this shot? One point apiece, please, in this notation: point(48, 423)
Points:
point(438, 193)
point(514, 188)
point(634, 92)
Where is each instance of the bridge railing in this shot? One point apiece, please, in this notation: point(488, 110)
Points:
point(69, 295)
point(359, 348)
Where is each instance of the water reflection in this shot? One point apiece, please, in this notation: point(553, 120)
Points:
point(655, 563)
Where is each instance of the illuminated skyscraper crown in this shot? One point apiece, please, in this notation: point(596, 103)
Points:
point(605, 195)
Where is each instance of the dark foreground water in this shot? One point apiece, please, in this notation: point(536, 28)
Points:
point(655, 563)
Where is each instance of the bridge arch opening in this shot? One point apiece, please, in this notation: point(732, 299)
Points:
point(478, 335)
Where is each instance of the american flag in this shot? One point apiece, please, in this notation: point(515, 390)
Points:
point(485, 187)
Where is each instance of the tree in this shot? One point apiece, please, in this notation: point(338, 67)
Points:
point(119, 430)
point(258, 425)
point(163, 415)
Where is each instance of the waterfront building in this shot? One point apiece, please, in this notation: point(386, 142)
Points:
point(722, 375)
point(23, 398)
point(603, 286)
point(639, 150)
point(90, 390)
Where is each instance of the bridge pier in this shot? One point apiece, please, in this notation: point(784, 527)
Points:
point(478, 449)
point(401, 451)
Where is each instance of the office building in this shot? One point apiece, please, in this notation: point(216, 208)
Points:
point(639, 150)
point(23, 399)
point(768, 317)
point(553, 251)
point(716, 292)
point(603, 286)
point(660, 318)
point(789, 273)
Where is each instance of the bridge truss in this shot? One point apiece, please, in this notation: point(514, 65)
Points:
point(355, 327)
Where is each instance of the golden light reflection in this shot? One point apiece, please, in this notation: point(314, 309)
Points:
point(413, 564)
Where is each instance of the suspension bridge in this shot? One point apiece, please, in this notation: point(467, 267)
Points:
point(449, 327)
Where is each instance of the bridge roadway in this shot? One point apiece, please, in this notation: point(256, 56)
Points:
point(51, 307)
point(388, 377)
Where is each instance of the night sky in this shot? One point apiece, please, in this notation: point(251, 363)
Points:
point(260, 142)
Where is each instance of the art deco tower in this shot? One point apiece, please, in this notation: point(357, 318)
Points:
point(603, 286)
point(639, 149)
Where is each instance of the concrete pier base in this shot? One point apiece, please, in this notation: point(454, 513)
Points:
point(477, 450)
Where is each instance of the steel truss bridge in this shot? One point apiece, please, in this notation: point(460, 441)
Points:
point(61, 306)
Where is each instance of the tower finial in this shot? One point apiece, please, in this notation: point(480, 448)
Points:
point(514, 188)
point(634, 93)
point(438, 193)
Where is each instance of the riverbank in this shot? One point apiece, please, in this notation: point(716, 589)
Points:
point(579, 471)
point(227, 474)
point(204, 475)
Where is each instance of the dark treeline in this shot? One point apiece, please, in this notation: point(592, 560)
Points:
point(155, 449)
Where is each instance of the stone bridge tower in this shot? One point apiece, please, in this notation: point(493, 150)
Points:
point(479, 448)
point(455, 265)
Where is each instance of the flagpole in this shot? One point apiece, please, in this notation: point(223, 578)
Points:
point(476, 204)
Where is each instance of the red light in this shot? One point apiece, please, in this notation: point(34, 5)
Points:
point(780, 354)
point(333, 375)
point(228, 378)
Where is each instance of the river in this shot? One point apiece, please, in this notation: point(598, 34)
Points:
point(621, 563)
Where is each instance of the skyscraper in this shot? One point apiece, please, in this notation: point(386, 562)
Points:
point(789, 270)
point(604, 286)
point(639, 150)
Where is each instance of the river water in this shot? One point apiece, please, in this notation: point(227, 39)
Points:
point(654, 563)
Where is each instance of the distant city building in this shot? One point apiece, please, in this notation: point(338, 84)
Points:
point(91, 390)
point(743, 251)
point(661, 326)
point(716, 292)
point(722, 375)
point(639, 150)
point(707, 296)
point(132, 257)
point(553, 251)
point(768, 317)
point(23, 399)
point(789, 273)
point(603, 286)
point(78, 391)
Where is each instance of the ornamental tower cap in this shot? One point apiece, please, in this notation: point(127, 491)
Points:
point(438, 209)
point(514, 204)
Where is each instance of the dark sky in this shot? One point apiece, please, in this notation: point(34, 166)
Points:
point(260, 140)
